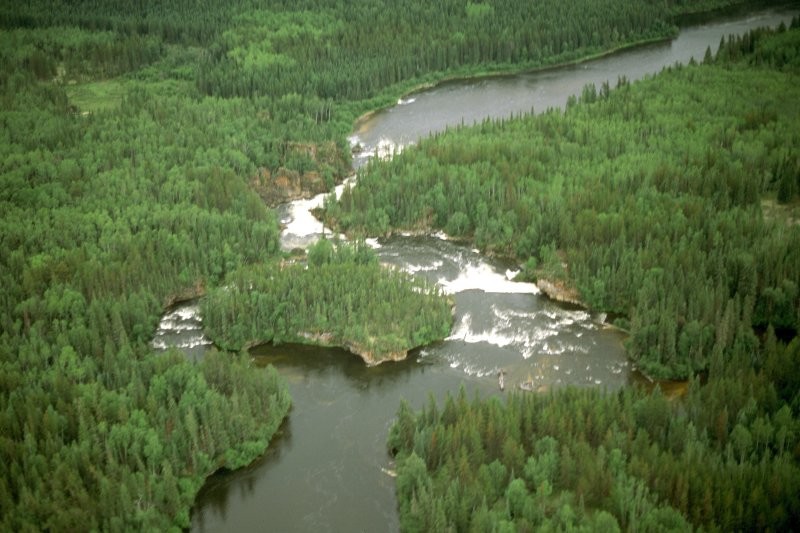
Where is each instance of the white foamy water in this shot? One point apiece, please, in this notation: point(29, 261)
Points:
point(182, 327)
point(513, 329)
point(499, 323)
point(193, 342)
point(301, 222)
point(484, 278)
point(172, 325)
point(473, 369)
point(301, 228)
point(387, 148)
point(413, 269)
point(185, 313)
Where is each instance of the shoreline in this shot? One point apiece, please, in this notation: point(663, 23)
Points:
point(510, 71)
point(327, 340)
point(678, 21)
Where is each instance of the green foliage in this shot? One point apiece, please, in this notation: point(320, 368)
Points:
point(127, 178)
point(342, 297)
point(69, 53)
point(107, 218)
point(648, 201)
point(599, 461)
point(343, 51)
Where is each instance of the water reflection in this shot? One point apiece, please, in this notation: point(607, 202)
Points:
point(327, 471)
point(332, 457)
point(226, 486)
point(470, 101)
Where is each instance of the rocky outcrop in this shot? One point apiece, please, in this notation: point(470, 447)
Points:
point(189, 293)
point(371, 358)
point(559, 291)
point(288, 184)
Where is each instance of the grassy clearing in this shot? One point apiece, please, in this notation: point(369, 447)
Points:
point(788, 212)
point(97, 95)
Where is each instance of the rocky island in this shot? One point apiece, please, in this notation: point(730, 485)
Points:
point(340, 296)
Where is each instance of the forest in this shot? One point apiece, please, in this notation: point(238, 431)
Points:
point(133, 150)
point(725, 456)
point(340, 297)
point(108, 217)
point(659, 202)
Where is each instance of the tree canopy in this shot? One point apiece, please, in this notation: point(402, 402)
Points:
point(135, 145)
point(663, 199)
point(340, 297)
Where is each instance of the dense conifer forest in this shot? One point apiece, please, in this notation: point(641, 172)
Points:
point(725, 456)
point(341, 297)
point(661, 203)
point(135, 143)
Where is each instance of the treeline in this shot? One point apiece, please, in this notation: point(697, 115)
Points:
point(188, 22)
point(724, 458)
point(663, 199)
point(75, 53)
point(107, 218)
point(344, 51)
point(353, 51)
point(340, 297)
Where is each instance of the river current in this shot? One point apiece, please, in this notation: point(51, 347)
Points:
point(328, 469)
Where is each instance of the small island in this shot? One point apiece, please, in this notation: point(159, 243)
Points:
point(340, 296)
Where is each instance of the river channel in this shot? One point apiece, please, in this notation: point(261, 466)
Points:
point(328, 469)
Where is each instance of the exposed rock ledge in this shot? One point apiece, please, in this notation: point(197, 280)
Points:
point(187, 293)
point(286, 185)
point(282, 185)
point(371, 358)
point(560, 292)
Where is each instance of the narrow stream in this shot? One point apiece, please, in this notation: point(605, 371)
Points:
point(328, 469)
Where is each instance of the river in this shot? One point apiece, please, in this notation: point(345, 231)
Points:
point(328, 469)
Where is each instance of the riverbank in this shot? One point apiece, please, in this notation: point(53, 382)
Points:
point(369, 354)
point(340, 296)
point(507, 164)
point(404, 92)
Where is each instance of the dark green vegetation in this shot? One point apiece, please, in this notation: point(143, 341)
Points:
point(128, 178)
point(342, 297)
point(650, 194)
point(725, 456)
point(335, 50)
point(105, 219)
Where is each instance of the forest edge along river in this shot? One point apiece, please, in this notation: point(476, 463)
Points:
point(328, 469)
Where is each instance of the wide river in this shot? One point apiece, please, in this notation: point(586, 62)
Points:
point(328, 469)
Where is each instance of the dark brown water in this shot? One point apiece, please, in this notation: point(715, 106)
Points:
point(328, 470)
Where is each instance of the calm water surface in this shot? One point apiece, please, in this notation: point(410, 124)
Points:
point(328, 469)
point(466, 102)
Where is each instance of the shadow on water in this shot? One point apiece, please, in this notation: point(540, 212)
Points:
point(326, 470)
point(307, 364)
point(224, 484)
point(331, 456)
